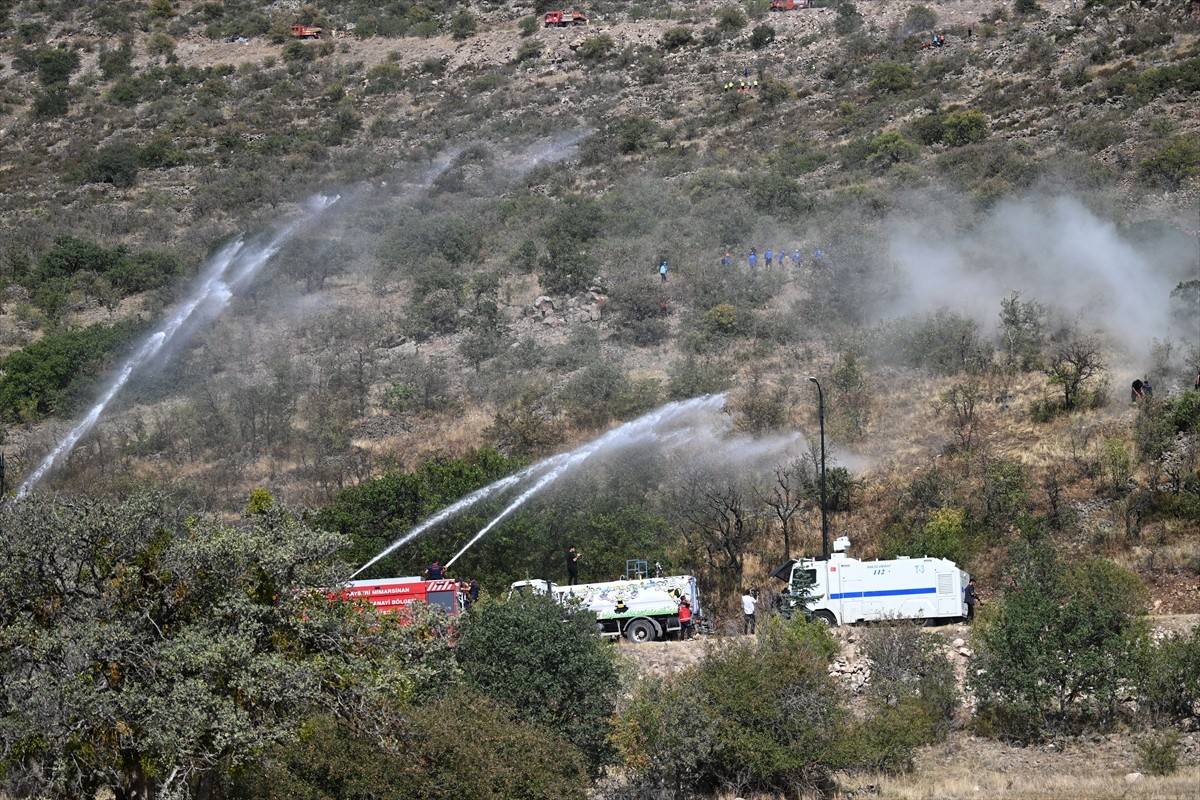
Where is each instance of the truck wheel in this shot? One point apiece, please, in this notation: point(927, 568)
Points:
point(826, 617)
point(640, 630)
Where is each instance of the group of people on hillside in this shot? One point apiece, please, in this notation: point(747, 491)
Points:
point(770, 257)
point(754, 259)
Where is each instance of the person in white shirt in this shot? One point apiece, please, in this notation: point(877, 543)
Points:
point(749, 602)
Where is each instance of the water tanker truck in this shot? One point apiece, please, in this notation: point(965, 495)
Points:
point(844, 590)
point(641, 609)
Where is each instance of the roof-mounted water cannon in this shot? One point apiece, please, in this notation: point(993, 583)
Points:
point(841, 545)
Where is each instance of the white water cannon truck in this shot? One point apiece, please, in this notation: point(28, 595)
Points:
point(642, 609)
point(844, 590)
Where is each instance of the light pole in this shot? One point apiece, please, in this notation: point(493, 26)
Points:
point(824, 515)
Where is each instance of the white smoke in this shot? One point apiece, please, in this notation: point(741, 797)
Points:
point(1055, 251)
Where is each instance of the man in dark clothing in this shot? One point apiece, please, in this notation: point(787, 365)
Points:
point(572, 566)
point(434, 570)
point(970, 598)
point(472, 592)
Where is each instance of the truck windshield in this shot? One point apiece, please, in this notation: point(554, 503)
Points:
point(442, 600)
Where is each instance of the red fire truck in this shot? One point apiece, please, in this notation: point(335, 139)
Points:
point(389, 595)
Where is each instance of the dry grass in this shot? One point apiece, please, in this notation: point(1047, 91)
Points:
point(978, 780)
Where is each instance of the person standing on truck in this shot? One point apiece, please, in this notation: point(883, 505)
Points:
point(685, 618)
point(970, 598)
point(572, 566)
point(434, 570)
point(749, 603)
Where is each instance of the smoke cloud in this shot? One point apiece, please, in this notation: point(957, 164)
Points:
point(1055, 251)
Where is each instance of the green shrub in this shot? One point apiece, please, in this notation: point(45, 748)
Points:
point(730, 20)
point(664, 736)
point(160, 153)
point(890, 77)
point(298, 52)
point(1054, 654)
point(1159, 755)
point(463, 26)
point(48, 376)
point(1167, 677)
point(116, 164)
point(964, 127)
point(890, 147)
point(116, 63)
point(761, 36)
point(944, 535)
point(918, 19)
point(620, 136)
point(385, 78)
point(503, 758)
point(848, 19)
point(54, 103)
point(929, 129)
point(751, 693)
point(1093, 137)
point(597, 394)
point(779, 195)
point(528, 50)
point(943, 342)
point(1173, 162)
point(596, 48)
point(529, 25)
point(160, 44)
point(55, 67)
point(677, 37)
point(795, 157)
point(1026, 6)
point(537, 657)
point(636, 306)
point(693, 376)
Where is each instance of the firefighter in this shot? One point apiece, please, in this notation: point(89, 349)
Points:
point(572, 566)
point(685, 618)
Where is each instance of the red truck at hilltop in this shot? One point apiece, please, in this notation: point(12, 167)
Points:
point(562, 19)
point(788, 5)
point(306, 32)
point(390, 595)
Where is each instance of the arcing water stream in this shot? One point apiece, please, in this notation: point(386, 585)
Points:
point(232, 267)
point(660, 425)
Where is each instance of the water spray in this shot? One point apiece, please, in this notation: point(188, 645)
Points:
point(662, 425)
point(209, 299)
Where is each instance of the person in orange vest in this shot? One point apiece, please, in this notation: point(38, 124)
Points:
point(685, 618)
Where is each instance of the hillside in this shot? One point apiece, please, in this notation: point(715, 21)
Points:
point(304, 289)
point(488, 277)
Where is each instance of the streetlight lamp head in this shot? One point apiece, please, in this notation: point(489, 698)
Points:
point(812, 378)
